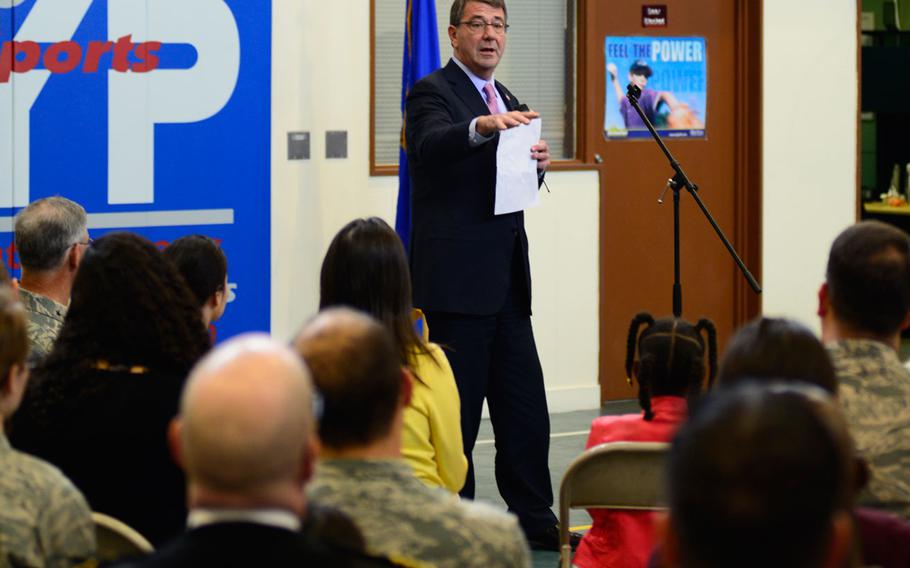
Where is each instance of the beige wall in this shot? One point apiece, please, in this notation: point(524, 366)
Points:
point(321, 82)
point(810, 130)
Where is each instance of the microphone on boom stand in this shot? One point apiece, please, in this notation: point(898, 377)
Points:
point(676, 183)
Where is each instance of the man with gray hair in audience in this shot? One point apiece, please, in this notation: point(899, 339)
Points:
point(51, 235)
point(246, 437)
point(365, 390)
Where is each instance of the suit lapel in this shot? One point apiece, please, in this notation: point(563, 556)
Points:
point(507, 97)
point(464, 89)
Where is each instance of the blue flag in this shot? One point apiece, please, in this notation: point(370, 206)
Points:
point(421, 56)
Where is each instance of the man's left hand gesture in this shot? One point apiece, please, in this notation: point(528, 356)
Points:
point(541, 153)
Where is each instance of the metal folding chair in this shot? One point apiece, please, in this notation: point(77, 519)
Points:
point(617, 475)
point(118, 540)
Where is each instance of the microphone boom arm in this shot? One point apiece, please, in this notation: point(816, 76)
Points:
point(676, 183)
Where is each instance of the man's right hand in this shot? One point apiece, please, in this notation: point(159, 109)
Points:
point(490, 123)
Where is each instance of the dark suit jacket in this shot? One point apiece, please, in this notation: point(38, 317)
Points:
point(243, 545)
point(461, 254)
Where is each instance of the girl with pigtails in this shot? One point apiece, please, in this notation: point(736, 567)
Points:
point(667, 358)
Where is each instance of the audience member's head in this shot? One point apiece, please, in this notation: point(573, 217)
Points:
point(13, 351)
point(246, 432)
point(366, 268)
point(867, 284)
point(129, 307)
point(358, 373)
point(51, 235)
point(670, 357)
point(778, 349)
point(760, 476)
point(203, 265)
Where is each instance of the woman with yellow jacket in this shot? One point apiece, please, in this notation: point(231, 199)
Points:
point(366, 268)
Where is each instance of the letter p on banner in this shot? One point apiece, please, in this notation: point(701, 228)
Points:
point(140, 101)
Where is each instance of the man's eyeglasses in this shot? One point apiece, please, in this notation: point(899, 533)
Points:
point(86, 243)
point(478, 25)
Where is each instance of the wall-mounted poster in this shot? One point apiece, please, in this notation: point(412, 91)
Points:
point(672, 75)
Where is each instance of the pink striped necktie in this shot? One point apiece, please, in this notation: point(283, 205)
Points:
point(492, 104)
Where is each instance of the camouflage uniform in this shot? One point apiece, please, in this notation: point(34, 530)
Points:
point(408, 522)
point(45, 318)
point(874, 390)
point(44, 520)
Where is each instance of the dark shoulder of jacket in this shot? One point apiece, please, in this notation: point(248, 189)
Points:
point(428, 85)
point(327, 524)
point(335, 535)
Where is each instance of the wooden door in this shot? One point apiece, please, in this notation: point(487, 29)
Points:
point(636, 239)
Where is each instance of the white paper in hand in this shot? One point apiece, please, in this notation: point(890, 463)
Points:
point(516, 170)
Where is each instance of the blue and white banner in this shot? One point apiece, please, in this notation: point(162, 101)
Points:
point(672, 75)
point(154, 115)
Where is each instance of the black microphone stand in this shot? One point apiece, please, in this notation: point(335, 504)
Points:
point(676, 183)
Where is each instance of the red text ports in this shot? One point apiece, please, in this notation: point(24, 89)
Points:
point(67, 56)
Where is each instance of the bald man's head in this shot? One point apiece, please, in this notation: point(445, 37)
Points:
point(357, 370)
point(246, 418)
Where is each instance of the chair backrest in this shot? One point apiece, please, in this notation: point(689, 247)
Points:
point(617, 475)
point(118, 540)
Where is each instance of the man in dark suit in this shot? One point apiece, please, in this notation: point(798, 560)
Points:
point(246, 438)
point(470, 267)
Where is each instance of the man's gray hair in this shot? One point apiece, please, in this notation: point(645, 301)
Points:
point(457, 12)
point(46, 229)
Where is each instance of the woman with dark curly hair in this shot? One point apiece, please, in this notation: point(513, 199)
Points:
point(99, 406)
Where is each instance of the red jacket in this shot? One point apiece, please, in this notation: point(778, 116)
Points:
point(625, 539)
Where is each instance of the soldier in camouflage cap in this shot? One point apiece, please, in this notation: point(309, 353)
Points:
point(864, 304)
point(44, 520)
point(51, 236)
